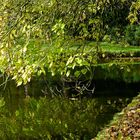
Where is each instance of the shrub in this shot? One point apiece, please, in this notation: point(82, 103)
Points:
point(132, 34)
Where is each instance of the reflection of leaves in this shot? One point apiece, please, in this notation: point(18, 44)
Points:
point(2, 102)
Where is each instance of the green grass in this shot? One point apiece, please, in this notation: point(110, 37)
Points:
point(105, 47)
point(117, 48)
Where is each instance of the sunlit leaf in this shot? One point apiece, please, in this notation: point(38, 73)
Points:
point(19, 82)
point(84, 71)
point(68, 73)
point(77, 74)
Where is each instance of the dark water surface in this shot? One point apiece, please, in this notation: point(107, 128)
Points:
point(109, 98)
point(105, 90)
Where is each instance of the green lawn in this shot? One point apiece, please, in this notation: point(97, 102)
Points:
point(118, 48)
point(105, 47)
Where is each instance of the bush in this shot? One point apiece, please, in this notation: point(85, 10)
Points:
point(132, 35)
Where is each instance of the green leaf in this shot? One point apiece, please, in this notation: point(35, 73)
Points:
point(79, 61)
point(70, 60)
point(77, 74)
point(19, 82)
point(84, 71)
point(68, 73)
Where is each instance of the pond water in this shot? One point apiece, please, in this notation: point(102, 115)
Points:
point(64, 117)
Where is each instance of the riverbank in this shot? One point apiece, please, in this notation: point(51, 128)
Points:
point(125, 125)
